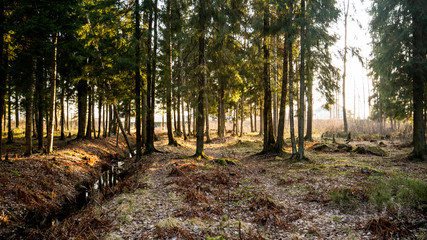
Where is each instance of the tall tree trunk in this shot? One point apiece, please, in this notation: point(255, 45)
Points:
point(268, 118)
point(189, 118)
point(241, 116)
point(169, 79)
point(275, 69)
point(251, 118)
point(149, 146)
point(89, 115)
point(208, 135)
point(40, 105)
point(261, 118)
point(9, 115)
point(16, 110)
point(2, 69)
point(82, 107)
point(221, 130)
point(68, 114)
point(99, 112)
point(138, 81)
point(110, 119)
point(346, 8)
point(201, 80)
point(255, 116)
point(29, 111)
point(291, 91)
point(302, 85)
point(62, 121)
point(309, 133)
point(419, 79)
point(183, 120)
point(281, 127)
point(93, 113)
point(52, 106)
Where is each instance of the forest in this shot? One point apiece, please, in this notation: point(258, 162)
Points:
point(212, 119)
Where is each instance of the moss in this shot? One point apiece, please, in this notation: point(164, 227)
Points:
point(363, 149)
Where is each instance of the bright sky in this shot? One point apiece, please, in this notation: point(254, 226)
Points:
point(357, 81)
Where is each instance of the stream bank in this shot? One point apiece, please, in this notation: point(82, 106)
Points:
point(40, 191)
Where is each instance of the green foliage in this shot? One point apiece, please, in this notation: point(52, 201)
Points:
point(397, 192)
point(345, 198)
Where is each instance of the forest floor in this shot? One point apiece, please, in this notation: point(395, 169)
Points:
point(364, 189)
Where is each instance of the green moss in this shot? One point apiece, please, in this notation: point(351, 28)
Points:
point(397, 192)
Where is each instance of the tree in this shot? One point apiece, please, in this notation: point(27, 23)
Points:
point(268, 118)
point(137, 40)
point(201, 78)
point(302, 83)
point(399, 60)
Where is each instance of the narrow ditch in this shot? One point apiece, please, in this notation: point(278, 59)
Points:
point(111, 174)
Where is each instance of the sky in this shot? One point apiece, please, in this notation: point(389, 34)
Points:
point(358, 83)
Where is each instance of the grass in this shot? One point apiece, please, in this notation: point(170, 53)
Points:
point(397, 192)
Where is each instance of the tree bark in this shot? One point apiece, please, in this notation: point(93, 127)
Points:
point(29, 112)
point(201, 80)
point(302, 86)
point(138, 81)
point(419, 79)
point(208, 136)
point(345, 65)
point(2, 70)
point(89, 115)
point(291, 93)
point(9, 115)
point(16, 110)
point(309, 133)
point(261, 118)
point(52, 107)
point(149, 146)
point(169, 79)
point(62, 120)
point(82, 107)
point(281, 127)
point(241, 116)
point(268, 118)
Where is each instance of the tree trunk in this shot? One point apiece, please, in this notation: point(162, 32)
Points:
point(302, 86)
point(201, 80)
point(62, 120)
point(255, 116)
point(89, 115)
point(99, 112)
point(221, 119)
point(183, 121)
point(309, 133)
point(52, 107)
point(261, 118)
point(40, 103)
point(82, 107)
point(16, 110)
point(281, 127)
point(208, 136)
point(2, 70)
point(189, 118)
point(268, 118)
point(291, 94)
point(29, 112)
point(149, 146)
point(138, 81)
point(251, 118)
point(346, 7)
point(68, 114)
point(169, 79)
point(9, 116)
point(241, 116)
point(419, 79)
point(275, 69)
